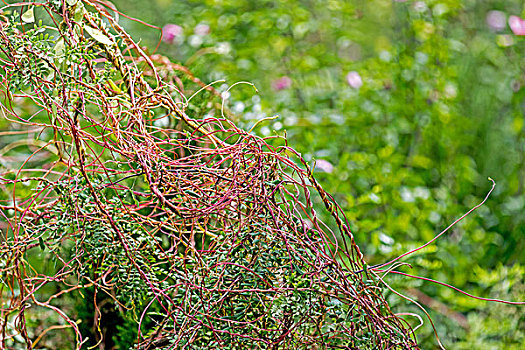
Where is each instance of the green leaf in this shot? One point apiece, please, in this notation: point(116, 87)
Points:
point(115, 87)
point(41, 243)
point(59, 48)
point(79, 12)
point(98, 35)
point(29, 16)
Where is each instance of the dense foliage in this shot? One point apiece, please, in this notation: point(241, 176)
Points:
point(407, 107)
point(439, 105)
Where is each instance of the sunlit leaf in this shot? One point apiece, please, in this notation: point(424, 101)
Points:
point(79, 12)
point(29, 16)
point(115, 87)
point(98, 35)
point(59, 48)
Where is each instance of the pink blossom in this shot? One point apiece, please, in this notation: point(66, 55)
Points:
point(517, 25)
point(282, 83)
point(496, 20)
point(354, 80)
point(202, 29)
point(324, 166)
point(170, 32)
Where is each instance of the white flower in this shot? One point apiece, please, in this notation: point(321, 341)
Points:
point(223, 48)
point(354, 80)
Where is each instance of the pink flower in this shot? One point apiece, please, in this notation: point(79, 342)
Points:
point(496, 20)
point(282, 83)
point(202, 29)
point(324, 166)
point(517, 25)
point(354, 80)
point(170, 32)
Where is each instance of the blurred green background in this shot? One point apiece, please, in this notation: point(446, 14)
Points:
point(407, 107)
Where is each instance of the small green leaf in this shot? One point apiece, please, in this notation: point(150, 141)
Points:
point(79, 12)
point(29, 16)
point(98, 35)
point(41, 242)
point(115, 87)
point(59, 48)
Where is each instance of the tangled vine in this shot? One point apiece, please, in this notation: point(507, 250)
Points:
point(198, 233)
